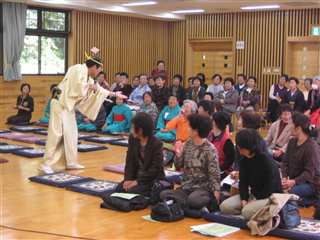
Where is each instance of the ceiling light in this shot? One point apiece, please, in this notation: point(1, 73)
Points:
point(166, 15)
point(189, 11)
point(115, 9)
point(260, 7)
point(133, 4)
point(54, 1)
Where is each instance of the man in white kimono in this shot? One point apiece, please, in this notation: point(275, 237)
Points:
point(78, 91)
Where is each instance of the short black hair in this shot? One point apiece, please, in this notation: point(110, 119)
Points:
point(294, 79)
point(117, 74)
point(179, 76)
point(161, 77)
point(161, 61)
point(242, 75)
point(93, 62)
point(200, 123)
point(221, 120)
point(250, 119)
point(285, 108)
point(302, 121)
point(249, 139)
point(144, 122)
point(209, 94)
point(253, 78)
point(217, 75)
point(190, 79)
point(25, 84)
point(52, 86)
point(285, 76)
point(147, 93)
point(229, 79)
point(102, 73)
point(196, 78)
point(124, 74)
point(206, 105)
point(202, 77)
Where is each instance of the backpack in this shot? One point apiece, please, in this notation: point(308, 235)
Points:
point(167, 211)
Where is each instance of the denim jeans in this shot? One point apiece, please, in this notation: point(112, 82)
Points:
point(306, 191)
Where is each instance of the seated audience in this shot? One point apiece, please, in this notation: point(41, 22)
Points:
point(151, 82)
point(85, 124)
point(277, 96)
point(200, 187)
point(190, 85)
point(160, 71)
point(208, 96)
point(180, 123)
point(313, 103)
point(241, 83)
point(307, 83)
point(196, 93)
point(202, 78)
point(294, 96)
point(177, 89)
point(144, 158)
point(160, 93)
point(280, 133)
point(259, 177)
point(135, 82)
point(24, 105)
point(119, 119)
point(205, 108)
point(116, 81)
point(46, 113)
point(216, 85)
point(102, 80)
point(301, 163)
point(123, 86)
point(137, 95)
point(228, 98)
point(250, 96)
point(220, 138)
point(168, 113)
point(149, 107)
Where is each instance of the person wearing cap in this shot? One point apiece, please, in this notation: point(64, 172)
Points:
point(78, 91)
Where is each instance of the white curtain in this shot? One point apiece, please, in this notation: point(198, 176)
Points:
point(14, 28)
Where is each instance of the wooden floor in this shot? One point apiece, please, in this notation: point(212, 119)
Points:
point(35, 211)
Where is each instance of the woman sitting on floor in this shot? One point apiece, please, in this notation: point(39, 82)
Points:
point(280, 133)
point(149, 107)
point(144, 158)
point(119, 119)
point(301, 163)
point(168, 113)
point(200, 186)
point(24, 106)
point(259, 177)
point(250, 96)
point(220, 138)
point(54, 94)
point(85, 124)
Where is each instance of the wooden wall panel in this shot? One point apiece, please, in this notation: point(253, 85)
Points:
point(262, 33)
point(299, 21)
point(127, 44)
point(176, 49)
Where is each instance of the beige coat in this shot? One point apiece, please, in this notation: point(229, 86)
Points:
point(282, 140)
point(75, 94)
point(267, 218)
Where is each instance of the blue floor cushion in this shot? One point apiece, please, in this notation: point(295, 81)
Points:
point(103, 139)
point(25, 128)
point(90, 147)
point(10, 148)
point(30, 153)
point(94, 187)
point(123, 142)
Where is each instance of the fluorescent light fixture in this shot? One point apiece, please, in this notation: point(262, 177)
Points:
point(166, 15)
point(115, 9)
point(189, 11)
point(53, 1)
point(260, 7)
point(133, 4)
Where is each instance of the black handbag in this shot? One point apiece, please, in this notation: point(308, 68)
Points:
point(167, 211)
point(157, 187)
point(289, 215)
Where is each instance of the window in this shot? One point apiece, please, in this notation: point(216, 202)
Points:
point(46, 42)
